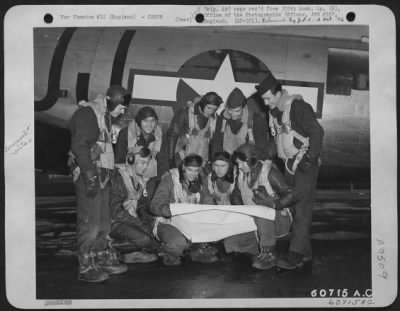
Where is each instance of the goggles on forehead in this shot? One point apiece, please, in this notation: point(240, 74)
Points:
point(240, 155)
point(222, 155)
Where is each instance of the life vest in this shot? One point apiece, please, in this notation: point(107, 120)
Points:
point(104, 140)
point(284, 134)
point(262, 180)
point(134, 194)
point(232, 141)
point(115, 129)
point(196, 140)
point(134, 133)
point(180, 196)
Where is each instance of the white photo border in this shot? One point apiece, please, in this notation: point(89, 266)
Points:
point(19, 23)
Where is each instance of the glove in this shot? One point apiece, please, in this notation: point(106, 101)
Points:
point(95, 152)
point(261, 197)
point(197, 99)
point(71, 163)
point(165, 211)
point(91, 183)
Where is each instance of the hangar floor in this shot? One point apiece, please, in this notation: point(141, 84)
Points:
point(341, 237)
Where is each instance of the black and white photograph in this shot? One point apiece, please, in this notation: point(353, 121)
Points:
point(236, 156)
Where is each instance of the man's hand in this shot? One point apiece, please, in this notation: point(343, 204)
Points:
point(91, 183)
point(182, 142)
point(95, 152)
point(197, 99)
point(261, 197)
point(166, 211)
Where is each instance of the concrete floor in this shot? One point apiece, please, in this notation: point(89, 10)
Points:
point(336, 265)
point(341, 234)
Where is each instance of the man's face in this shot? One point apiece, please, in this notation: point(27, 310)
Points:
point(243, 166)
point(141, 164)
point(220, 168)
point(209, 110)
point(119, 110)
point(270, 99)
point(235, 113)
point(148, 125)
point(191, 172)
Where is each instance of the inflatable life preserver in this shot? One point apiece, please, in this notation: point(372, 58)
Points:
point(134, 194)
point(196, 140)
point(134, 132)
point(232, 141)
point(284, 136)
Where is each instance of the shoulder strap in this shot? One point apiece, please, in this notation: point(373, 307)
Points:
point(245, 115)
point(178, 190)
point(224, 124)
point(240, 178)
point(158, 136)
point(263, 177)
point(250, 133)
point(191, 116)
point(127, 181)
point(286, 120)
point(175, 175)
point(247, 120)
point(271, 124)
point(213, 124)
point(250, 119)
point(210, 185)
point(287, 105)
point(133, 133)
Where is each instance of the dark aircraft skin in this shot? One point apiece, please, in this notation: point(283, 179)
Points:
point(73, 64)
